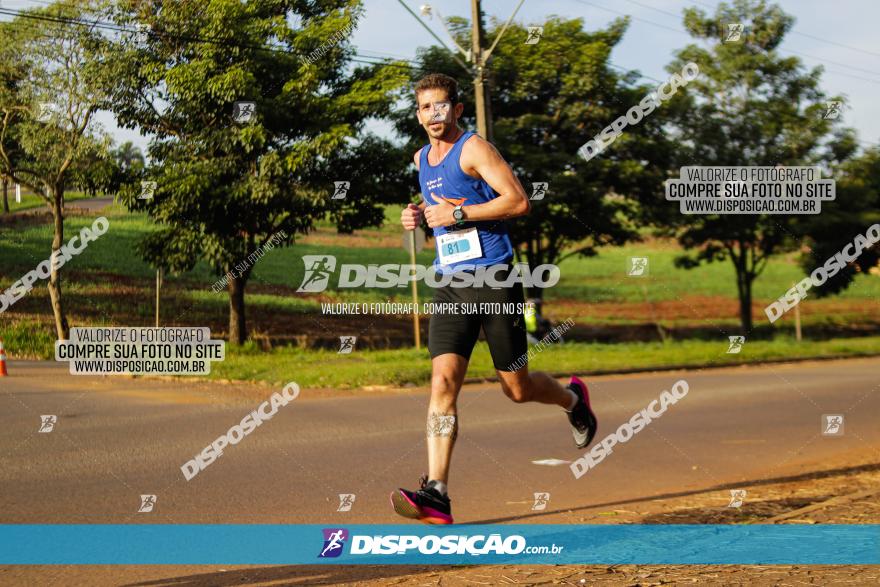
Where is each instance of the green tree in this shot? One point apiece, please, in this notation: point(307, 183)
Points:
point(749, 106)
point(11, 76)
point(99, 171)
point(225, 185)
point(856, 208)
point(129, 157)
point(48, 136)
point(547, 100)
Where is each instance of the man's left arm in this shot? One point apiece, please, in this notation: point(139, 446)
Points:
point(479, 158)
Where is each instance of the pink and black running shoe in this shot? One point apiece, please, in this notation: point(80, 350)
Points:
point(425, 505)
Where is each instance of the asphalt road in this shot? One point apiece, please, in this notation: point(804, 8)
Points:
point(87, 204)
point(118, 438)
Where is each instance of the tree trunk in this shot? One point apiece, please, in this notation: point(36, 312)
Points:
point(744, 289)
point(237, 325)
point(536, 293)
point(745, 276)
point(62, 329)
point(745, 309)
point(5, 195)
point(534, 257)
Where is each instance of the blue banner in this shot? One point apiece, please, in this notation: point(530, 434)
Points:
point(164, 544)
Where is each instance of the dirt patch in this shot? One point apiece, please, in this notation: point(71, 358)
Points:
point(700, 309)
point(38, 216)
point(405, 575)
point(385, 237)
point(808, 491)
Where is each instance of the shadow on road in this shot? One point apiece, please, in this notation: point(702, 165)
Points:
point(756, 512)
point(756, 483)
point(293, 575)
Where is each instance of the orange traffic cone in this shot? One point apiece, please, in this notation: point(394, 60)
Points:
point(3, 372)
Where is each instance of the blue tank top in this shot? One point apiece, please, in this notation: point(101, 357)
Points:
point(448, 181)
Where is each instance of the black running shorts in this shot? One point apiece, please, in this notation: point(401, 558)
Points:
point(457, 332)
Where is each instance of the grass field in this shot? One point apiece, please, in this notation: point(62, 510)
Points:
point(109, 285)
point(327, 369)
point(596, 279)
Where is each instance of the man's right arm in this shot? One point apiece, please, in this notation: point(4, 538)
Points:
point(411, 216)
point(416, 161)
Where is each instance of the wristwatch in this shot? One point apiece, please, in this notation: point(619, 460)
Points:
point(458, 215)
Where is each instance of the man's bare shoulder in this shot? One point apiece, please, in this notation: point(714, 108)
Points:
point(416, 157)
point(477, 150)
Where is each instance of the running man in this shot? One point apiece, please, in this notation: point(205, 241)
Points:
point(468, 190)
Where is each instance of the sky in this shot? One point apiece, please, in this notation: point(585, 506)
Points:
point(839, 36)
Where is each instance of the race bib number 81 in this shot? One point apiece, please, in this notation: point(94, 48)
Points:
point(460, 245)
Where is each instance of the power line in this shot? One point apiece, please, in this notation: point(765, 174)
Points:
point(191, 38)
point(676, 16)
point(646, 21)
point(663, 26)
point(641, 75)
point(383, 55)
point(832, 62)
point(433, 34)
point(814, 37)
point(364, 59)
point(358, 58)
point(790, 51)
point(851, 48)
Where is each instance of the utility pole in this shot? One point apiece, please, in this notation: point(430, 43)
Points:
point(476, 55)
point(481, 91)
